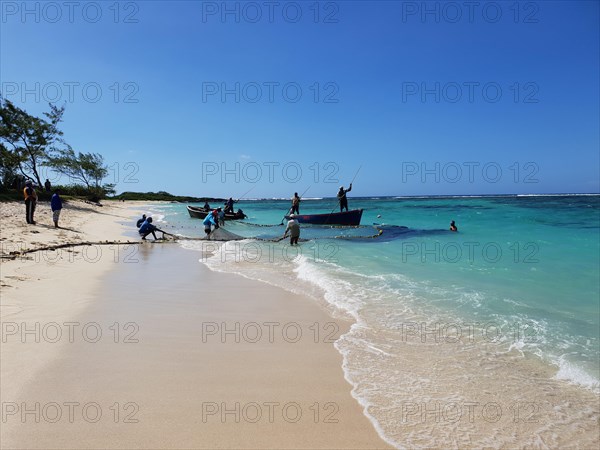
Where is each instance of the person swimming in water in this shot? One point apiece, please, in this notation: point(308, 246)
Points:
point(453, 226)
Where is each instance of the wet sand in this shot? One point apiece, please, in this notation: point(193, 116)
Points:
point(144, 347)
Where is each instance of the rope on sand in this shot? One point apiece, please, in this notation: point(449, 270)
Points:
point(15, 254)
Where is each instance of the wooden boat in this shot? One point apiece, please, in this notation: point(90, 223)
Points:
point(348, 218)
point(200, 213)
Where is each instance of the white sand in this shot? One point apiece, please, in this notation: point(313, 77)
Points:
point(172, 388)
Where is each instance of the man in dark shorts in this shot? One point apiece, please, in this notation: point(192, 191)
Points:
point(295, 204)
point(341, 195)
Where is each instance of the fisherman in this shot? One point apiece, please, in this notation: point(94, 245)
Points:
point(30, 201)
point(221, 216)
point(453, 226)
point(207, 222)
point(148, 228)
point(341, 195)
point(206, 206)
point(294, 228)
point(56, 206)
point(141, 221)
point(229, 206)
point(215, 214)
point(295, 204)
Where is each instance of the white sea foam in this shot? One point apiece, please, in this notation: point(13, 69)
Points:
point(572, 373)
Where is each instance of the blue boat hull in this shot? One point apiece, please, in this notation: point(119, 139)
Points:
point(348, 218)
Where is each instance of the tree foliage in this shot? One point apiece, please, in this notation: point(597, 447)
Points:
point(87, 168)
point(27, 140)
point(28, 143)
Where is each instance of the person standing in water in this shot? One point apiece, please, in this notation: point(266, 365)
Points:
point(294, 229)
point(295, 204)
point(208, 221)
point(341, 195)
point(453, 226)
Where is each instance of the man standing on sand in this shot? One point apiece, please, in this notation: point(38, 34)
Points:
point(294, 228)
point(56, 206)
point(30, 201)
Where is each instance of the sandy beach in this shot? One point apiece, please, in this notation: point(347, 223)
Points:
point(140, 346)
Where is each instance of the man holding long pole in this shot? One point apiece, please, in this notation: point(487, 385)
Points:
point(342, 199)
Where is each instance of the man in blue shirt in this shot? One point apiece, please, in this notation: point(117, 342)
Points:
point(56, 207)
point(148, 228)
point(209, 220)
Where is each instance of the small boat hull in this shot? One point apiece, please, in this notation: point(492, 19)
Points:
point(347, 218)
point(201, 213)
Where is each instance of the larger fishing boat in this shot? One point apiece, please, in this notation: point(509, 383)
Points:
point(347, 218)
point(200, 213)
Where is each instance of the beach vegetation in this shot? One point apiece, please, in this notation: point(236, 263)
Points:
point(29, 143)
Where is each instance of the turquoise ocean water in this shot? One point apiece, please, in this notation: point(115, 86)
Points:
point(520, 278)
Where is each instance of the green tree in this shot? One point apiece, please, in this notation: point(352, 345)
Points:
point(26, 140)
point(88, 168)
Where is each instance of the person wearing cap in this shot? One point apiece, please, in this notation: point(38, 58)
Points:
point(295, 204)
point(208, 221)
point(30, 201)
point(294, 228)
point(341, 195)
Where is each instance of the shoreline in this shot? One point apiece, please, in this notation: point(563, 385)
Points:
point(159, 380)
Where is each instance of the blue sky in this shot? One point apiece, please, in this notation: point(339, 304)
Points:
point(425, 97)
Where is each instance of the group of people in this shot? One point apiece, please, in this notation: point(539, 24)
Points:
point(228, 206)
point(31, 199)
point(341, 196)
point(215, 218)
point(146, 227)
point(293, 226)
